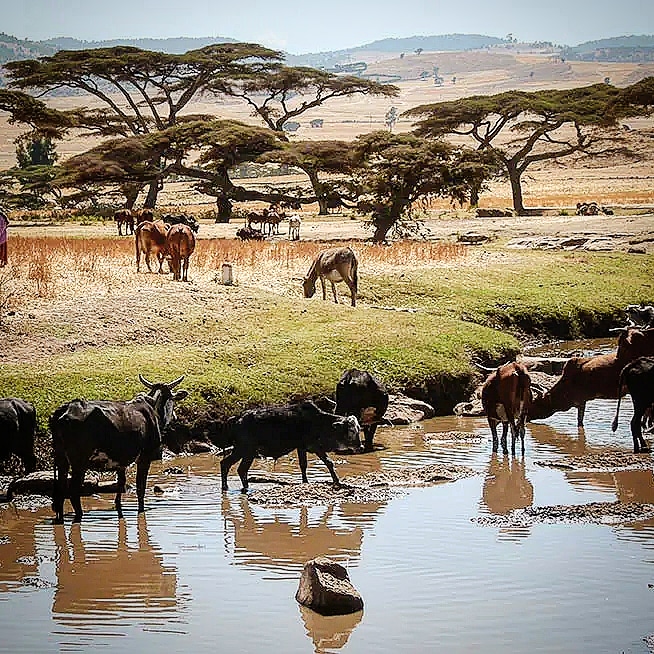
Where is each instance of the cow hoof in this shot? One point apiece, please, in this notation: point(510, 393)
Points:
point(77, 520)
point(57, 521)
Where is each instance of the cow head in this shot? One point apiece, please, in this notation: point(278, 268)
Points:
point(345, 432)
point(164, 399)
point(309, 287)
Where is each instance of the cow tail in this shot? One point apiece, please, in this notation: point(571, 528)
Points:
point(614, 425)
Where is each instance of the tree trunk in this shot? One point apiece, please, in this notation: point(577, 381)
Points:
point(223, 209)
point(474, 195)
point(153, 192)
point(319, 191)
point(516, 189)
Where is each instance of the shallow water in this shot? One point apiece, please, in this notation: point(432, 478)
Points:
point(202, 571)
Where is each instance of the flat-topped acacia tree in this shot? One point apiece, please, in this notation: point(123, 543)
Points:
point(140, 92)
point(522, 128)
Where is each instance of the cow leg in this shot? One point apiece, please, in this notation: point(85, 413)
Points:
point(120, 479)
point(353, 293)
point(324, 289)
point(334, 292)
point(243, 468)
point(505, 429)
point(493, 427)
point(147, 261)
point(640, 445)
point(369, 434)
point(76, 481)
point(142, 469)
point(226, 463)
point(514, 434)
point(60, 488)
point(302, 460)
point(330, 466)
point(581, 410)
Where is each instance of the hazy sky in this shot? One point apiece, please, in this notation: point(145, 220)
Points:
point(310, 26)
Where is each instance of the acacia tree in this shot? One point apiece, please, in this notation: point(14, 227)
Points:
point(277, 96)
point(522, 128)
point(315, 157)
point(393, 171)
point(140, 92)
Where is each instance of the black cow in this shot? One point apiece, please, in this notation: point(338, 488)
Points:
point(640, 315)
point(105, 435)
point(360, 395)
point(182, 219)
point(275, 431)
point(17, 429)
point(638, 377)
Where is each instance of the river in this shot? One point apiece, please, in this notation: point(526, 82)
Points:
point(203, 571)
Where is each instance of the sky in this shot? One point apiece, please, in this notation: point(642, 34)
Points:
point(310, 26)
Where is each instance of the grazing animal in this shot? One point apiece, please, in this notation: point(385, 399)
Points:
point(294, 224)
point(276, 431)
point(143, 215)
point(336, 265)
point(249, 234)
point(182, 219)
point(180, 244)
point(638, 377)
point(17, 430)
point(640, 315)
point(582, 379)
point(505, 396)
point(360, 395)
point(150, 238)
point(257, 219)
point(124, 217)
point(105, 435)
point(273, 220)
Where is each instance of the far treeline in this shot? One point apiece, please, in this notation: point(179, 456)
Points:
point(148, 139)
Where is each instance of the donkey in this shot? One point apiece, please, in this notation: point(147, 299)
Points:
point(336, 265)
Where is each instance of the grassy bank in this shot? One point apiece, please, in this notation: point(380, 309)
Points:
point(417, 327)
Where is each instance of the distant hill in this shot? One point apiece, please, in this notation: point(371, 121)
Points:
point(440, 43)
point(637, 48)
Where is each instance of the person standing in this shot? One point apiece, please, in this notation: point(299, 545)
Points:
point(4, 222)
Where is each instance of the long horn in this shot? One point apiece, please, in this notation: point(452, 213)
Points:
point(172, 384)
point(145, 382)
point(619, 329)
point(484, 368)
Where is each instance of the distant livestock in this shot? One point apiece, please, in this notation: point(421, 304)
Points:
point(505, 397)
point(294, 224)
point(150, 239)
point(249, 234)
point(182, 219)
point(336, 265)
point(276, 431)
point(180, 245)
point(105, 435)
point(124, 217)
point(17, 430)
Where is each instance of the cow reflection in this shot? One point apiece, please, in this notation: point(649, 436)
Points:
point(94, 578)
point(506, 487)
point(18, 557)
point(329, 632)
point(295, 535)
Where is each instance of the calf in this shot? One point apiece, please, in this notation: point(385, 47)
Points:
point(276, 431)
point(505, 396)
point(150, 238)
point(105, 435)
point(638, 377)
point(360, 395)
point(17, 430)
point(180, 244)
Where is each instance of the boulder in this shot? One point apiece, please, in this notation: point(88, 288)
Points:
point(325, 588)
point(472, 238)
point(42, 483)
point(403, 410)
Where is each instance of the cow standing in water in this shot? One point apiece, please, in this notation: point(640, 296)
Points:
point(17, 430)
point(336, 265)
point(180, 244)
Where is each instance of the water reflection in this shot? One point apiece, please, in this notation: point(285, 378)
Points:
point(108, 579)
point(329, 633)
point(18, 557)
point(285, 539)
point(506, 486)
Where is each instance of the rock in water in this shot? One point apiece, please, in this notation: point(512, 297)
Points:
point(326, 588)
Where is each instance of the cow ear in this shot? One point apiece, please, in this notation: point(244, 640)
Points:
point(180, 395)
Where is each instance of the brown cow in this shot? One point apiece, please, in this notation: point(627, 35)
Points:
point(590, 378)
point(124, 217)
point(143, 215)
point(505, 396)
point(180, 243)
point(150, 238)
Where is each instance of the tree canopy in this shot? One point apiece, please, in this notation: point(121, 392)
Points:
point(525, 127)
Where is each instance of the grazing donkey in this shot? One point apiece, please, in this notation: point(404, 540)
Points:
point(336, 265)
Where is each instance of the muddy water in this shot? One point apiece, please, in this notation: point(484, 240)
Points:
point(206, 572)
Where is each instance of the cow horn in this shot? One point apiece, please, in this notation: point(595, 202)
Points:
point(145, 382)
point(619, 329)
point(484, 368)
point(172, 384)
